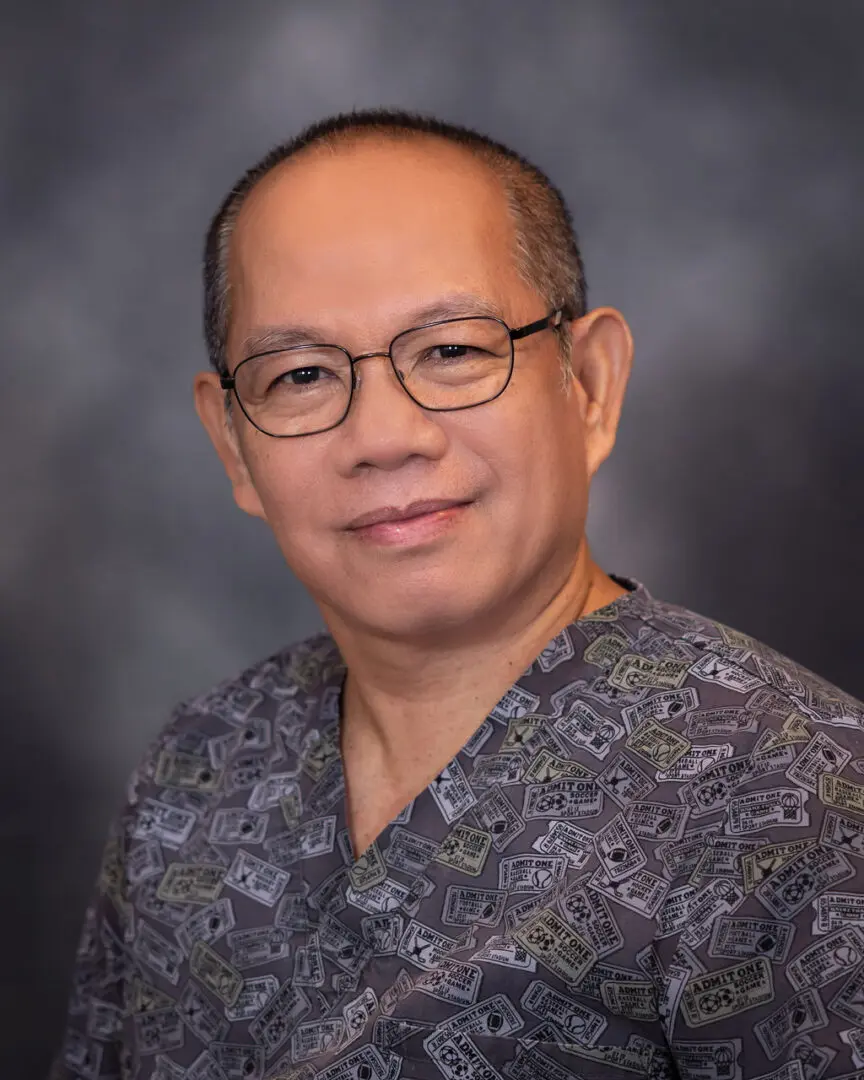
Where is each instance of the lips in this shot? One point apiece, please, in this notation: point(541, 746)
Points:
point(404, 513)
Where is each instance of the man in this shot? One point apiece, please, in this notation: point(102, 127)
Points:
point(511, 816)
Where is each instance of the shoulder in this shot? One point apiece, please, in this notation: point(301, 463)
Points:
point(250, 720)
point(723, 666)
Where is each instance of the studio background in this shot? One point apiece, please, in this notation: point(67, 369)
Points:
point(713, 158)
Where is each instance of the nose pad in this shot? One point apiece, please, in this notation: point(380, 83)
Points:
point(355, 378)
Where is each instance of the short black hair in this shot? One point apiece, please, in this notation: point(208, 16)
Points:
point(547, 249)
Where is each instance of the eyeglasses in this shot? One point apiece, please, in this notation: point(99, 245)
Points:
point(442, 366)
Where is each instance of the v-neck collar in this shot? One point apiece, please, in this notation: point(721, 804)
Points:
point(449, 792)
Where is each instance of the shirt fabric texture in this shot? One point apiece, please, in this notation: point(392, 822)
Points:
point(645, 862)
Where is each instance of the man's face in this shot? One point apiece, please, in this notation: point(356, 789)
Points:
point(357, 245)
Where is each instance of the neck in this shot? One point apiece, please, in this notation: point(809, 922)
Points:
point(405, 704)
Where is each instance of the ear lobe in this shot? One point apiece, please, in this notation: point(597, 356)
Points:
point(213, 414)
point(246, 498)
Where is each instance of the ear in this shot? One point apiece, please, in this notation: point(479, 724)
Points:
point(219, 422)
point(601, 359)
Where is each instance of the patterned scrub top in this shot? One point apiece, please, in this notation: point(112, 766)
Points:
point(647, 861)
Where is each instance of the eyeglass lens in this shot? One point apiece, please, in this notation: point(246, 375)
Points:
point(451, 365)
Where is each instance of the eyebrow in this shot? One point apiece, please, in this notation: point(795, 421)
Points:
point(272, 338)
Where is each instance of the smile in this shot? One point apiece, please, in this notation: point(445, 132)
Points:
point(415, 523)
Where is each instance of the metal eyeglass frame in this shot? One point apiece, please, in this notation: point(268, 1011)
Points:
point(550, 322)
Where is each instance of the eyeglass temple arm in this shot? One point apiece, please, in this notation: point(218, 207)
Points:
point(552, 320)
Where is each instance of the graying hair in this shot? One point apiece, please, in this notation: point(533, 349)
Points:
point(547, 251)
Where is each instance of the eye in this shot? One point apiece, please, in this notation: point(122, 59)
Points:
point(453, 352)
point(309, 375)
point(304, 375)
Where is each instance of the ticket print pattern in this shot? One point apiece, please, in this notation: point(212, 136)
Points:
point(648, 861)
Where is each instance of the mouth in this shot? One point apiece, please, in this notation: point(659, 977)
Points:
point(394, 514)
point(408, 525)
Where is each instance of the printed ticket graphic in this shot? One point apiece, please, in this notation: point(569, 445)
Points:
point(646, 861)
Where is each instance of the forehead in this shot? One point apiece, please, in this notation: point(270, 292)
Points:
point(370, 229)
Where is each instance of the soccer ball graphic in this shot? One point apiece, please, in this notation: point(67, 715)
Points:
point(797, 888)
point(577, 908)
point(708, 796)
point(712, 1003)
point(555, 803)
point(541, 938)
point(451, 1058)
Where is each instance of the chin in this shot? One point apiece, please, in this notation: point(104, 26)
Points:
point(398, 610)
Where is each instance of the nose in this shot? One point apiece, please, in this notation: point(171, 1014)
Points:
point(385, 427)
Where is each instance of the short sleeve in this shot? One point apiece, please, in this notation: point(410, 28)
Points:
point(97, 1041)
point(92, 1042)
point(765, 969)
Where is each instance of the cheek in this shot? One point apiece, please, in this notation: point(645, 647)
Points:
point(541, 454)
point(289, 491)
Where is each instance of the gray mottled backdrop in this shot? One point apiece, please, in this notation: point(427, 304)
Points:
point(713, 155)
